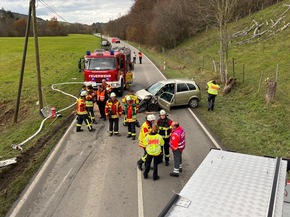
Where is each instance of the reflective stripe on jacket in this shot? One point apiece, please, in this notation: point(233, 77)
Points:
point(101, 95)
point(177, 139)
point(130, 112)
point(81, 107)
point(145, 129)
point(164, 127)
point(212, 88)
point(153, 144)
point(113, 109)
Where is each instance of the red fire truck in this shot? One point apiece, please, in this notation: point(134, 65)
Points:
point(113, 65)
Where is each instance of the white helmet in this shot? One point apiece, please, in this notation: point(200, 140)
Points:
point(151, 118)
point(84, 93)
point(128, 98)
point(162, 112)
point(112, 94)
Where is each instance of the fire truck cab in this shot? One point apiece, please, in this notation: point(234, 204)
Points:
point(114, 65)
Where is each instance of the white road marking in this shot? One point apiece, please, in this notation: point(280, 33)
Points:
point(39, 175)
point(140, 194)
point(204, 129)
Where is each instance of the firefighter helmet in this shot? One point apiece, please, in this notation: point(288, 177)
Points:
point(151, 118)
point(112, 94)
point(128, 98)
point(83, 93)
point(162, 112)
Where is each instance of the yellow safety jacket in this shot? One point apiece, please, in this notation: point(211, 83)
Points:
point(146, 128)
point(212, 88)
point(153, 144)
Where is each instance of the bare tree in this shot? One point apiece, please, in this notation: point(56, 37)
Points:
point(218, 13)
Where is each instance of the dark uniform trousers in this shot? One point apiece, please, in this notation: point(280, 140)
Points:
point(84, 118)
point(102, 105)
point(114, 124)
point(131, 128)
point(155, 165)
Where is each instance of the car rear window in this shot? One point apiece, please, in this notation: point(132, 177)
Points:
point(191, 86)
point(182, 87)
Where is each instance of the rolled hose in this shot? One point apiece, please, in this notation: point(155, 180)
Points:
point(19, 146)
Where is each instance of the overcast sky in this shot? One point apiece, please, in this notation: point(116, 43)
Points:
point(81, 11)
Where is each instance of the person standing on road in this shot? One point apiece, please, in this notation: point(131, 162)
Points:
point(164, 124)
point(144, 131)
point(107, 87)
point(134, 57)
point(212, 91)
point(140, 57)
point(90, 102)
point(113, 111)
point(130, 113)
point(101, 99)
point(82, 113)
point(153, 143)
point(177, 144)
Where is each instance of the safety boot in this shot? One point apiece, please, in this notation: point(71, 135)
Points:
point(139, 164)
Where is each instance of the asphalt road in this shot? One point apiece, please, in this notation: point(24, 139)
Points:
point(92, 174)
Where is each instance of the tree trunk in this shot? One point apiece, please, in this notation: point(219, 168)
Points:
point(271, 91)
point(229, 85)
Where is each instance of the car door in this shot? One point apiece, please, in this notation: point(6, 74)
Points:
point(182, 94)
point(166, 100)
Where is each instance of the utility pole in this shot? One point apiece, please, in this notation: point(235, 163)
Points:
point(35, 34)
point(23, 65)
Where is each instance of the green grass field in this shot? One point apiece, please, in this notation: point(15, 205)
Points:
point(58, 58)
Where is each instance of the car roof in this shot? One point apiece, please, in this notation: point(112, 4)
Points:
point(177, 80)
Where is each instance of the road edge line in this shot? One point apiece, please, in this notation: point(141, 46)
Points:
point(140, 194)
point(24, 197)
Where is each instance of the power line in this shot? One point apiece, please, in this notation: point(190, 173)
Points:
point(51, 9)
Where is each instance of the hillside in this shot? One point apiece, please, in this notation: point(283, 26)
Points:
point(242, 121)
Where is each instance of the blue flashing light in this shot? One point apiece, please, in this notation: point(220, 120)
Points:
point(88, 52)
point(112, 52)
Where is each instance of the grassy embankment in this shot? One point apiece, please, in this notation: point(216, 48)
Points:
point(58, 57)
point(241, 121)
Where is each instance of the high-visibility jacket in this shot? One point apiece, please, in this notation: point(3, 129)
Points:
point(134, 98)
point(212, 88)
point(140, 54)
point(108, 88)
point(113, 109)
point(153, 144)
point(101, 95)
point(89, 100)
point(146, 128)
point(81, 107)
point(164, 127)
point(130, 112)
point(177, 139)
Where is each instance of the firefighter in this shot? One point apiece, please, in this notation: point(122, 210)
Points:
point(101, 99)
point(145, 129)
point(140, 57)
point(90, 102)
point(177, 144)
point(130, 113)
point(153, 143)
point(212, 91)
point(82, 113)
point(107, 87)
point(164, 124)
point(136, 101)
point(113, 111)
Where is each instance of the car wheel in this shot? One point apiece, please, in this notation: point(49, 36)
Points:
point(152, 107)
point(193, 103)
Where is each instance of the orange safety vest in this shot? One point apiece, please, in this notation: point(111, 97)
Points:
point(140, 54)
point(101, 95)
point(81, 107)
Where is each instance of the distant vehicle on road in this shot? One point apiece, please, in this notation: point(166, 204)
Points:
point(116, 40)
point(105, 43)
point(169, 93)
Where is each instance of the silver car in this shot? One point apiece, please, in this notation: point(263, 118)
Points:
point(169, 93)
